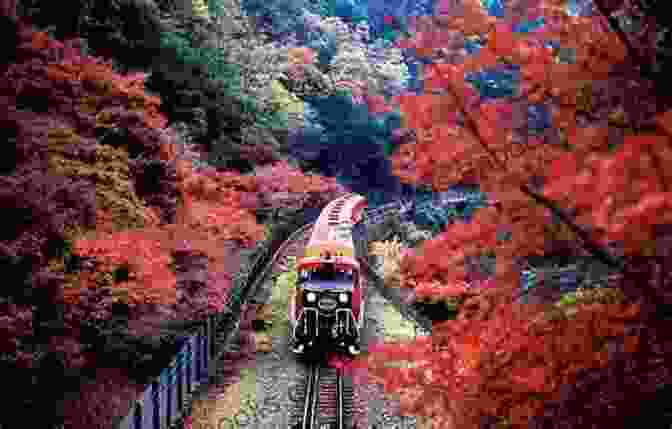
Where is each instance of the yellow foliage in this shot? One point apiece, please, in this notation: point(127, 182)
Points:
point(109, 172)
point(285, 101)
point(390, 251)
point(200, 8)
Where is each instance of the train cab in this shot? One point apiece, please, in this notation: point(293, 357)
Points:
point(327, 306)
point(326, 310)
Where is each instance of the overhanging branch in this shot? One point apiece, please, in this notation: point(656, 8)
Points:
point(595, 249)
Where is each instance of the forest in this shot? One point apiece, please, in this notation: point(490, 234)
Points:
point(155, 143)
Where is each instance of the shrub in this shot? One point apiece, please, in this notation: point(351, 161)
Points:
point(217, 118)
point(126, 30)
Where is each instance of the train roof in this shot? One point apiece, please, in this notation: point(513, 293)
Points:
point(333, 233)
point(344, 261)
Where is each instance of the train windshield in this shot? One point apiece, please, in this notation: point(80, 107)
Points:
point(327, 278)
point(325, 284)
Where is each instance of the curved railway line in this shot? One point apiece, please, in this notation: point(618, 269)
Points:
point(319, 396)
point(325, 398)
point(293, 245)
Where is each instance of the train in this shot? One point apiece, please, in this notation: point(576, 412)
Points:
point(326, 310)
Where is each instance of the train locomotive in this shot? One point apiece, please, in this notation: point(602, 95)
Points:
point(326, 312)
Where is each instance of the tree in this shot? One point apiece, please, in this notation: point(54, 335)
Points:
point(448, 152)
point(501, 359)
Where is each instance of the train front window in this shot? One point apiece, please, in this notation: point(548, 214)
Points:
point(329, 278)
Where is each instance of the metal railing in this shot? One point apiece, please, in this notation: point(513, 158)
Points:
point(162, 402)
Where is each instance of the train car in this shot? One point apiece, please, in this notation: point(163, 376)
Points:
point(326, 312)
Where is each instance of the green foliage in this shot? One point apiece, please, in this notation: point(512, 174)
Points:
point(268, 231)
point(215, 8)
point(217, 69)
point(212, 59)
point(287, 280)
point(453, 308)
point(603, 295)
point(126, 31)
point(439, 311)
point(283, 284)
point(65, 251)
point(321, 7)
point(272, 120)
point(567, 300)
point(121, 273)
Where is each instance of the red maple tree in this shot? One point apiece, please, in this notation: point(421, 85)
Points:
point(501, 358)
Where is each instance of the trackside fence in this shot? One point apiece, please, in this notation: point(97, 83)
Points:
point(166, 400)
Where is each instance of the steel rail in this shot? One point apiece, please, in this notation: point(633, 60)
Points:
point(270, 265)
point(311, 406)
point(312, 393)
point(339, 400)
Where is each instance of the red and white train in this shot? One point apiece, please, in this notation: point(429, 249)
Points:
point(327, 311)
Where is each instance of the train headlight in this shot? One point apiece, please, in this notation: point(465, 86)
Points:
point(343, 297)
point(311, 297)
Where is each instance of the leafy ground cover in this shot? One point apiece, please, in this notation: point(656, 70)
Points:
point(230, 398)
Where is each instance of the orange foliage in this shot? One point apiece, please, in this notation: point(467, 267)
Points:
point(150, 278)
point(210, 219)
point(481, 151)
point(40, 40)
point(224, 221)
point(211, 213)
point(506, 363)
point(212, 204)
point(625, 194)
point(101, 76)
point(665, 122)
point(500, 358)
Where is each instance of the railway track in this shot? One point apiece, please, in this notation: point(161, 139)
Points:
point(292, 247)
point(324, 399)
point(325, 402)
